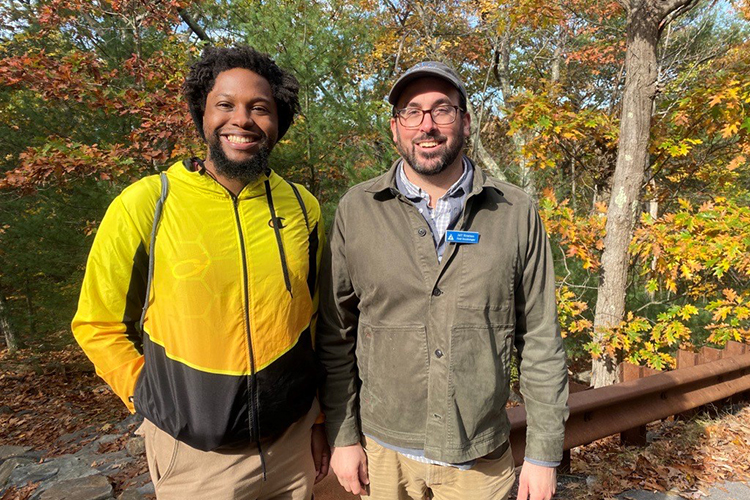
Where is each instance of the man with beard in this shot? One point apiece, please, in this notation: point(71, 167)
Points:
point(200, 293)
point(435, 272)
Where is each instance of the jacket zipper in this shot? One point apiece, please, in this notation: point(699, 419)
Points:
point(252, 389)
point(254, 431)
point(252, 382)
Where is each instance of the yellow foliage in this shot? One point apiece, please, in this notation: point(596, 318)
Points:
point(730, 129)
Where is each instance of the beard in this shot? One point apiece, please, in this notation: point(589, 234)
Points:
point(445, 158)
point(245, 171)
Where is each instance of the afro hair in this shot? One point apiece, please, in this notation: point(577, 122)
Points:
point(202, 76)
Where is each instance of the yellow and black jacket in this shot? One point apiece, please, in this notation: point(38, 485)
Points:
point(225, 352)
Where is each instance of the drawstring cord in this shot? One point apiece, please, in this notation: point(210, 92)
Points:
point(262, 460)
point(201, 168)
point(276, 223)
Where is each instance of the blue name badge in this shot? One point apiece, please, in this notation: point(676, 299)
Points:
point(462, 237)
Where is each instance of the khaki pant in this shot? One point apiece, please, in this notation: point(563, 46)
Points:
point(180, 472)
point(395, 477)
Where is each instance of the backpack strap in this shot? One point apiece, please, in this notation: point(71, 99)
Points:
point(301, 204)
point(155, 225)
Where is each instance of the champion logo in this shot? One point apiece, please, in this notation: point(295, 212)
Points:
point(281, 223)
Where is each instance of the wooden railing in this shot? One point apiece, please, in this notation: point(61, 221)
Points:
point(646, 396)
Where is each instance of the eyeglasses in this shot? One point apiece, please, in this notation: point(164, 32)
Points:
point(413, 117)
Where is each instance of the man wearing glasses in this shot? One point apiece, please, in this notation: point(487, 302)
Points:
point(435, 271)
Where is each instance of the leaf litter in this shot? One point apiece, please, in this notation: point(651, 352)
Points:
point(54, 402)
point(684, 457)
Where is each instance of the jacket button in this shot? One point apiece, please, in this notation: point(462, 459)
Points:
point(422, 231)
point(438, 353)
point(437, 292)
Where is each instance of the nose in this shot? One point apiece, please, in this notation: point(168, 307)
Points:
point(427, 124)
point(242, 117)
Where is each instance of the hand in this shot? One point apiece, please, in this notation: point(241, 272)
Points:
point(349, 463)
point(321, 452)
point(536, 482)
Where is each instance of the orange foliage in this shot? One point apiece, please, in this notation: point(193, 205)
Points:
point(143, 89)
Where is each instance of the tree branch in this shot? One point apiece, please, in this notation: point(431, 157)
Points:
point(195, 27)
point(672, 9)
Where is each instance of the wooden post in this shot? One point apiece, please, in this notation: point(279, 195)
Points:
point(564, 467)
point(627, 372)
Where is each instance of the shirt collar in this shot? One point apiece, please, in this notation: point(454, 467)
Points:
point(414, 192)
point(385, 184)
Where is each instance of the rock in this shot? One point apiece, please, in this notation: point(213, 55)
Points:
point(64, 468)
point(73, 467)
point(136, 446)
point(95, 487)
point(140, 483)
point(131, 421)
point(34, 473)
point(73, 436)
point(12, 451)
point(729, 491)
point(109, 438)
point(147, 489)
point(141, 479)
point(92, 447)
point(8, 466)
point(648, 495)
point(110, 463)
point(130, 495)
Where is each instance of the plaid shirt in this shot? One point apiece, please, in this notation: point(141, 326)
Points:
point(447, 209)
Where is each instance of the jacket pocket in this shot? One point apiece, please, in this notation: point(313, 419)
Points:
point(395, 365)
point(479, 380)
point(488, 277)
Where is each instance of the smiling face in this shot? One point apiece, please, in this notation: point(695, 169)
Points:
point(240, 124)
point(431, 149)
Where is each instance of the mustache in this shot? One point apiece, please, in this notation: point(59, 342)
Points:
point(427, 137)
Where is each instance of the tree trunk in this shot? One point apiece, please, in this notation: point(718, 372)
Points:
point(501, 67)
point(11, 342)
point(30, 308)
point(479, 153)
point(488, 162)
point(527, 174)
point(624, 203)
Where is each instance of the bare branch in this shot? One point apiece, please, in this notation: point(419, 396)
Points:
point(672, 9)
point(195, 27)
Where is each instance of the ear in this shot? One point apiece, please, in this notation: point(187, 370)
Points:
point(394, 132)
point(466, 121)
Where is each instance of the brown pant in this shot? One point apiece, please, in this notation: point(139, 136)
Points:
point(180, 472)
point(395, 477)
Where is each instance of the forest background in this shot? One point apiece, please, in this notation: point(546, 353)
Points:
point(627, 121)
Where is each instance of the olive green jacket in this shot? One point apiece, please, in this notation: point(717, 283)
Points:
point(417, 351)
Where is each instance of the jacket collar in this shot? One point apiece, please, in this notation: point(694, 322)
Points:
point(387, 182)
point(203, 180)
